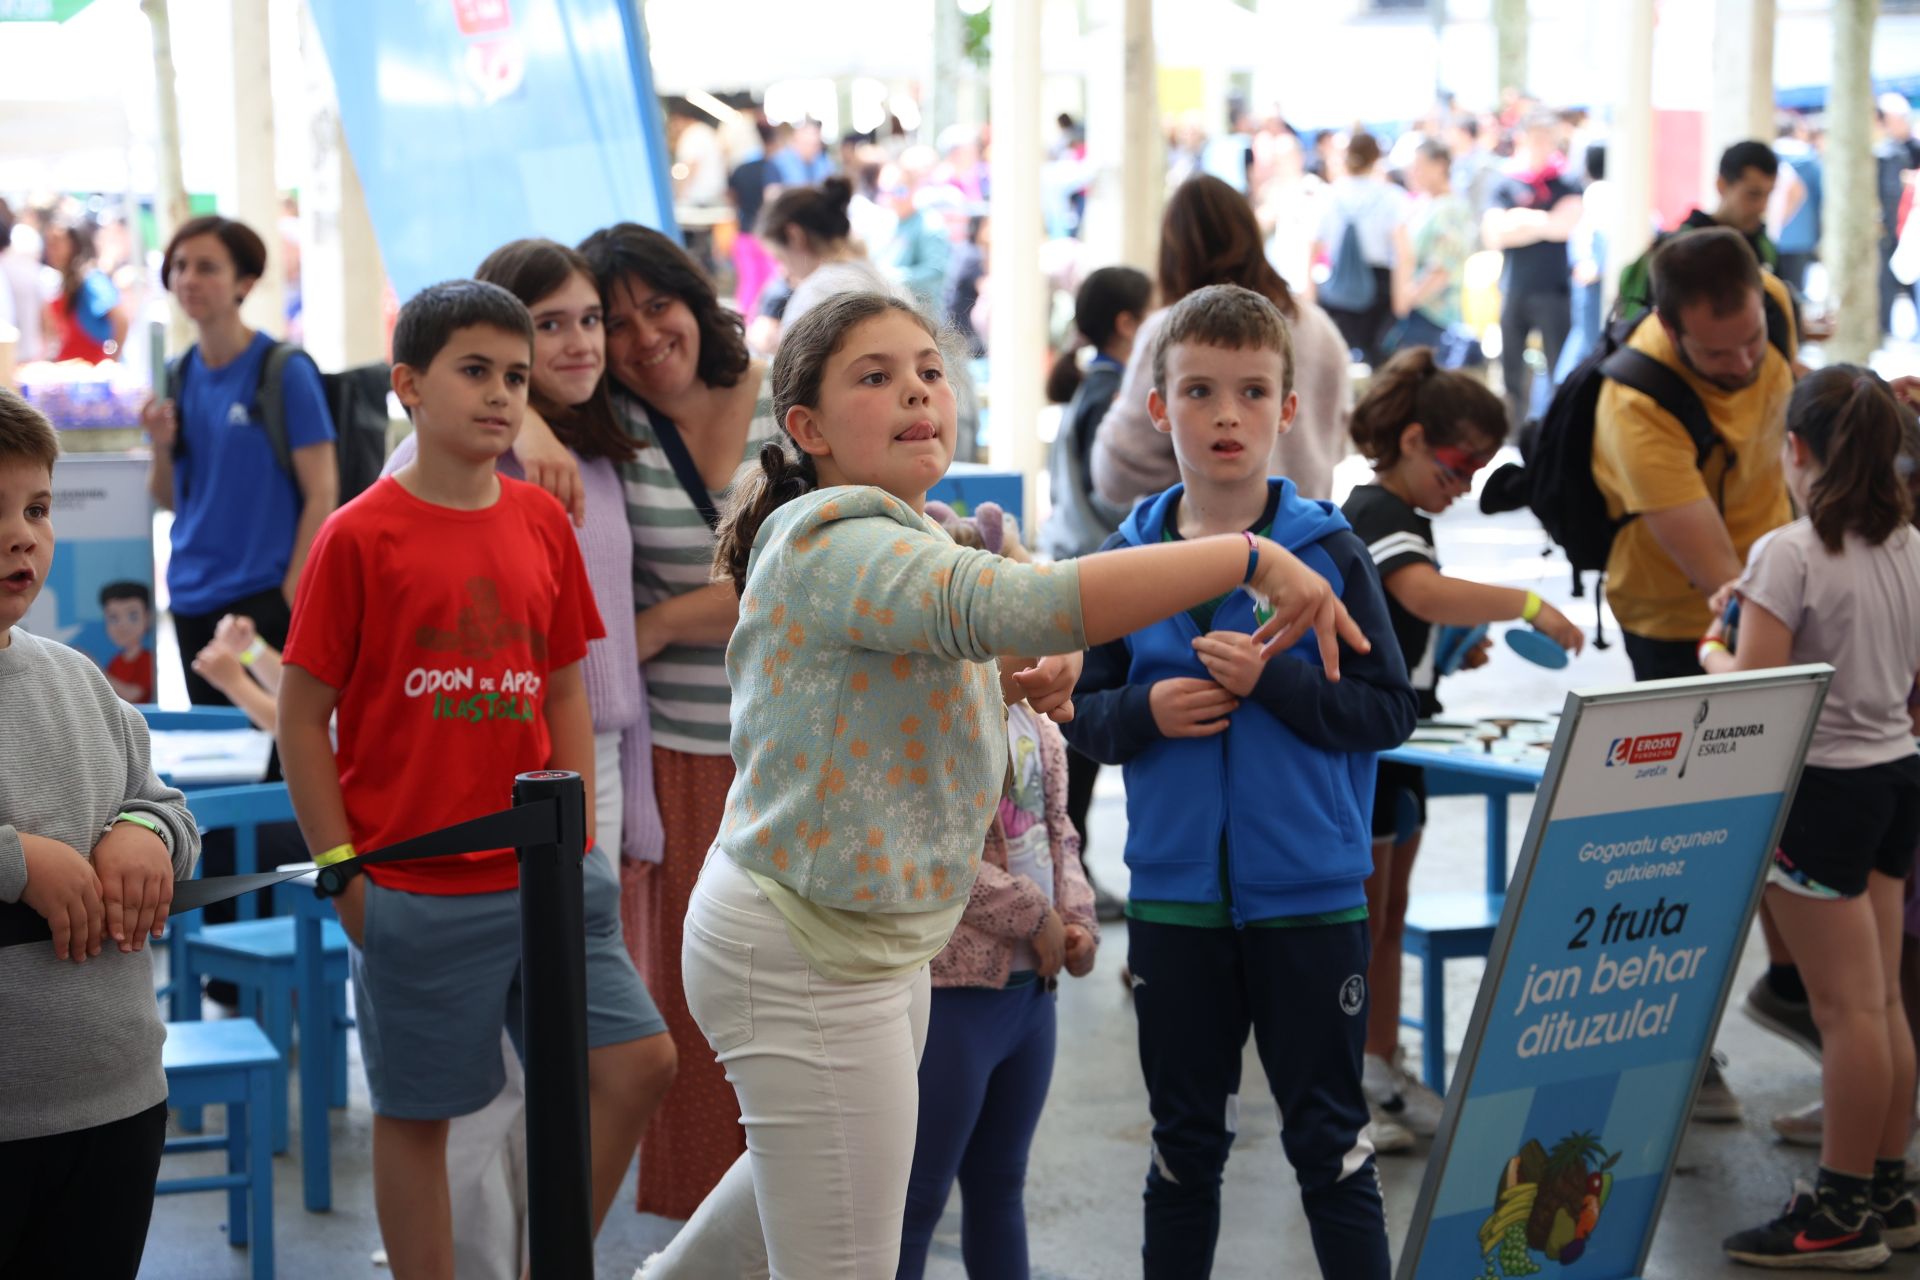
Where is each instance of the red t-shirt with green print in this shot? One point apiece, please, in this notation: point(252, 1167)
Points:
point(440, 629)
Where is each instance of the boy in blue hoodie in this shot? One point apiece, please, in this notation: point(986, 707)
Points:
point(1249, 803)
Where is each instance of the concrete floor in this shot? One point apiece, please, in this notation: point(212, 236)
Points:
point(1091, 1151)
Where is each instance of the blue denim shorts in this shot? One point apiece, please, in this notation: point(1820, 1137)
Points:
point(439, 977)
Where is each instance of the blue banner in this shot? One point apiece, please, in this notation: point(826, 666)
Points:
point(1629, 908)
point(476, 122)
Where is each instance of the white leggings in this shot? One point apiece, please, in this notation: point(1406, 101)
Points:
point(827, 1074)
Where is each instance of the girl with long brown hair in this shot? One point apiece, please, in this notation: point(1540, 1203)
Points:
point(1842, 585)
point(867, 720)
point(693, 404)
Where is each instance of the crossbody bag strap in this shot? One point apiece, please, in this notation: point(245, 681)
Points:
point(671, 443)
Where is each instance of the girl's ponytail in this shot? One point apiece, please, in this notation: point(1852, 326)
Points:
point(1854, 426)
point(1064, 378)
point(1103, 297)
point(780, 478)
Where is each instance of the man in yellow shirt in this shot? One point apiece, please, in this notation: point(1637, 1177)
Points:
point(1694, 522)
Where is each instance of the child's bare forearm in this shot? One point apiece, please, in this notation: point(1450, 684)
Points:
point(306, 756)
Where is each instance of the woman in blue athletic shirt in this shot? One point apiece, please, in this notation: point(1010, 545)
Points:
point(242, 522)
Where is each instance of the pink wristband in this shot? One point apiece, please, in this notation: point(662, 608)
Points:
point(1253, 557)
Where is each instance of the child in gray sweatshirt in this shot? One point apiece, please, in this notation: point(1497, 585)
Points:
point(92, 842)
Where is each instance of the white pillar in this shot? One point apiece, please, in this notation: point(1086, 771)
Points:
point(1850, 220)
point(1018, 325)
point(1123, 138)
point(253, 160)
point(1742, 79)
point(342, 279)
point(1630, 147)
point(171, 204)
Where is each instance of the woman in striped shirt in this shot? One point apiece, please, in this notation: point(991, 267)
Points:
point(681, 374)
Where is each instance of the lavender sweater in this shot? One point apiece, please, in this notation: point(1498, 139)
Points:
point(616, 689)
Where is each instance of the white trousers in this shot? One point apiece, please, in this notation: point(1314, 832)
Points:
point(827, 1074)
point(609, 797)
point(487, 1151)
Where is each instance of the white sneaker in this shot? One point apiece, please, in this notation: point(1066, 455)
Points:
point(1803, 1127)
point(1389, 1138)
point(1716, 1103)
point(1396, 1095)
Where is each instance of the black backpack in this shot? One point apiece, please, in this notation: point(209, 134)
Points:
point(356, 401)
point(1560, 488)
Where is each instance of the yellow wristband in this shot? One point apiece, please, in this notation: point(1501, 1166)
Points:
point(339, 853)
point(1707, 646)
point(251, 654)
point(1533, 607)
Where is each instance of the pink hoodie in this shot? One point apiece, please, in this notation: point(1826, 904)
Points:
point(1005, 908)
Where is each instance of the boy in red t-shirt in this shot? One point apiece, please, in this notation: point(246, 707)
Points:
point(444, 614)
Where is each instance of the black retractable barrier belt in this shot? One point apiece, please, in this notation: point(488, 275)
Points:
point(527, 824)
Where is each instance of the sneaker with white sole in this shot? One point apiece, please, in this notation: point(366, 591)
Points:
point(1899, 1217)
point(1388, 1137)
point(1803, 1127)
point(1716, 1103)
point(1811, 1236)
point(1399, 1095)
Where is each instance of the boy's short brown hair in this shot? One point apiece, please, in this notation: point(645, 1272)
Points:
point(1225, 315)
point(25, 433)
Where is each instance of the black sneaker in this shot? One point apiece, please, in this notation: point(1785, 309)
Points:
point(1808, 1236)
point(1791, 1020)
point(1899, 1219)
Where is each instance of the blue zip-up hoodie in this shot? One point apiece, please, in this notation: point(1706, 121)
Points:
point(1290, 783)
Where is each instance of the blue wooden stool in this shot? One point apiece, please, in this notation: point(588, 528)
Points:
point(1442, 927)
point(231, 1063)
point(260, 958)
point(263, 959)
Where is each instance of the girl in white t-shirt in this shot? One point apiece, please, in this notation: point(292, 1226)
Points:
point(1842, 585)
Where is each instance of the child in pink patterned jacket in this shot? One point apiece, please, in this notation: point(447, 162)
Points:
point(990, 1036)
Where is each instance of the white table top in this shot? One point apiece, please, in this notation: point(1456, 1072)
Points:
point(194, 758)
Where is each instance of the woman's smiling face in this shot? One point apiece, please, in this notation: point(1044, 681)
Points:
point(653, 340)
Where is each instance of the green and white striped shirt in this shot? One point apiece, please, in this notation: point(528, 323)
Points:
point(687, 695)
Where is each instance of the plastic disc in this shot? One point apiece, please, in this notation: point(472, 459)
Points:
point(1536, 648)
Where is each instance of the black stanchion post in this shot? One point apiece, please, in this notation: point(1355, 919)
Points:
point(553, 976)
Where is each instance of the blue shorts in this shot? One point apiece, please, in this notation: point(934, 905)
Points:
point(440, 976)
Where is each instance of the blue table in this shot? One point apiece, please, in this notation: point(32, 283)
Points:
point(1450, 926)
point(1462, 772)
point(204, 750)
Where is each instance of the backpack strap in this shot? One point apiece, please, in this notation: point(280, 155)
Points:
point(1777, 327)
point(270, 400)
point(1636, 369)
point(176, 386)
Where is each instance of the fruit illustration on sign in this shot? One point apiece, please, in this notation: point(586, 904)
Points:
point(1547, 1203)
